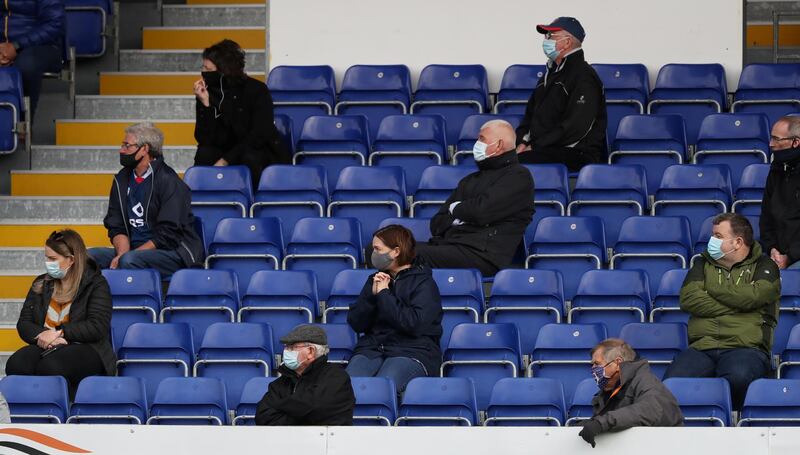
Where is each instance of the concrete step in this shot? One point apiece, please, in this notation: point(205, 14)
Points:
point(201, 37)
point(179, 60)
point(761, 11)
point(221, 15)
point(32, 233)
point(9, 311)
point(54, 207)
point(19, 258)
point(61, 183)
point(224, 2)
point(112, 132)
point(135, 107)
point(153, 83)
point(99, 158)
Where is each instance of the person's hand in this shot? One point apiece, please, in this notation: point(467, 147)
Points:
point(201, 92)
point(114, 262)
point(46, 338)
point(7, 53)
point(381, 281)
point(523, 148)
point(221, 162)
point(781, 259)
point(58, 341)
point(591, 428)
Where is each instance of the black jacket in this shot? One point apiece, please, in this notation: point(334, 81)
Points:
point(322, 395)
point(168, 212)
point(567, 110)
point(404, 320)
point(496, 207)
point(780, 210)
point(241, 123)
point(89, 315)
point(643, 401)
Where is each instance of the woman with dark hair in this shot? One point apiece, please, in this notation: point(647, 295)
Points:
point(399, 314)
point(66, 317)
point(235, 123)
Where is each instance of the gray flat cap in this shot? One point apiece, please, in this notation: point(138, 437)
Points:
point(306, 333)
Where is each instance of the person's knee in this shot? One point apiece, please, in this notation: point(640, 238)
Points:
point(49, 366)
point(102, 256)
point(131, 260)
point(20, 364)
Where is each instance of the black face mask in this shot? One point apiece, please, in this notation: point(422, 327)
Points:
point(212, 78)
point(129, 161)
point(786, 156)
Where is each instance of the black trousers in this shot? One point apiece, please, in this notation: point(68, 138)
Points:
point(449, 256)
point(73, 361)
point(573, 159)
point(207, 155)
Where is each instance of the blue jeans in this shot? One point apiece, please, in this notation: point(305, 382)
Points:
point(399, 369)
point(739, 366)
point(166, 262)
point(34, 61)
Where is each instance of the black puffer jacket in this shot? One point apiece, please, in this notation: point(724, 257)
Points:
point(780, 210)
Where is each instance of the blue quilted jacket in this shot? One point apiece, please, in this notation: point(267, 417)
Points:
point(32, 22)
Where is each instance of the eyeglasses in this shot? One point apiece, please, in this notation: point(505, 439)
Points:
point(128, 146)
point(778, 139)
point(549, 35)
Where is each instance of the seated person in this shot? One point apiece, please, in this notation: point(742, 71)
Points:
point(149, 219)
point(309, 390)
point(399, 313)
point(235, 123)
point(732, 295)
point(630, 394)
point(66, 317)
point(482, 222)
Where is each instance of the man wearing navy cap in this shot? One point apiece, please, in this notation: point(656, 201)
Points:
point(565, 120)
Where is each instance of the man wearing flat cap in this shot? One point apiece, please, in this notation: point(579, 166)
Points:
point(565, 119)
point(309, 391)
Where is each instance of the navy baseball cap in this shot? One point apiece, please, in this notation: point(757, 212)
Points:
point(568, 24)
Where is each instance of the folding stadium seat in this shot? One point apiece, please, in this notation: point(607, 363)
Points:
point(346, 288)
point(88, 24)
point(612, 193)
point(135, 297)
point(485, 353)
point(302, 91)
point(200, 229)
point(376, 401)
point(219, 192)
point(654, 244)
point(454, 91)
point(750, 190)
point(462, 298)
point(324, 246)
point(789, 314)
point(12, 113)
point(581, 406)
point(737, 140)
point(666, 303)
point(771, 403)
point(704, 402)
point(246, 245)
point(527, 298)
point(285, 127)
point(154, 352)
point(291, 192)
point(341, 342)
point(626, 87)
point(412, 142)
point(768, 88)
point(659, 343)
point(526, 402)
point(254, 390)
point(471, 130)
point(283, 299)
point(694, 191)
point(369, 194)
point(109, 400)
point(789, 367)
point(562, 352)
point(234, 352)
point(435, 186)
point(189, 401)
point(420, 227)
point(438, 402)
point(611, 297)
point(333, 142)
point(552, 193)
point(375, 91)
point(570, 244)
point(36, 399)
point(654, 141)
point(690, 90)
point(201, 298)
point(516, 87)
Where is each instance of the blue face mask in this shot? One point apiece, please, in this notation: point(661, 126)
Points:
point(479, 150)
point(714, 248)
point(290, 359)
point(549, 48)
point(599, 374)
point(54, 270)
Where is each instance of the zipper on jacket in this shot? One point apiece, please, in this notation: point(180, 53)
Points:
point(194, 261)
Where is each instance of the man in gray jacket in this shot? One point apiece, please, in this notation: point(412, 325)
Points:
point(629, 396)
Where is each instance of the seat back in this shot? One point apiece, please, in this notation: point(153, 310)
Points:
point(516, 87)
point(666, 303)
point(737, 140)
point(253, 391)
point(86, 29)
point(659, 343)
point(470, 130)
point(189, 401)
point(201, 298)
point(420, 227)
point(11, 108)
point(789, 310)
point(135, 297)
point(334, 142)
point(580, 407)
point(438, 402)
point(552, 194)
point(526, 402)
point(346, 288)
point(375, 91)
point(626, 87)
point(771, 403)
point(750, 190)
point(704, 402)
point(291, 192)
point(768, 88)
point(36, 399)
point(285, 127)
point(341, 341)
point(435, 186)
point(462, 298)
point(611, 297)
point(219, 192)
point(376, 401)
point(302, 91)
point(109, 400)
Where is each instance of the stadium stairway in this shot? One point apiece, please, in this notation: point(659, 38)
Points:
point(69, 183)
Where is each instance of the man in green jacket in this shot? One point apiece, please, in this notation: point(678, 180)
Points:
point(732, 295)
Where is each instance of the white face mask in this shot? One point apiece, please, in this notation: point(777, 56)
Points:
point(479, 150)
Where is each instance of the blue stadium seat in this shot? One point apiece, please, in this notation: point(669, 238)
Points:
point(789, 367)
point(341, 342)
point(469, 133)
point(462, 298)
point(737, 140)
point(135, 297)
point(659, 343)
point(285, 127)
point(12, 112)
point(611, 297)
point(438, 402)
point(771, 403)
point(291, 192)
point(346, 288)
point(325, 246)
point(516, 88)
point(333, 142)
point(789, 315)
point(109, 400)
point(528, 298)
point(189, 401)
point(412, 142)
point(552, 194)
point(254, 390)
point(750, 190)
point(246, 245)
point(626, 87)
point(87, 29)
point(375, 91)
point(201, 298)
point(219, 192)
point(453, 91)
point(612, 193)
point(36, 399)
point(369, 194)
point(654, 141)
point(704, 402)
point(435, 186)
point(768, 88)
point(526, 402)
point(420, 227)
point(376, 401)
point(690, 90)
point(666, 303)
point(302, 91)
point(581, 406)
point(485, 353)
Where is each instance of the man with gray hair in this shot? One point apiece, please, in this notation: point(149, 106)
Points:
point(630, 394)
point(149, 219)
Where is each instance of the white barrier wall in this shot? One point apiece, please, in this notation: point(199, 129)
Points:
point(497, 34)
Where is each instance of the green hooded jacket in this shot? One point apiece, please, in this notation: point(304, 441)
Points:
point(736, 308)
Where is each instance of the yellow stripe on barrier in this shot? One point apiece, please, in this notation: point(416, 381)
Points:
point(113, 132)
point(34, 235)
point(200, 38)
point(151, 84)
point(15, 286)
